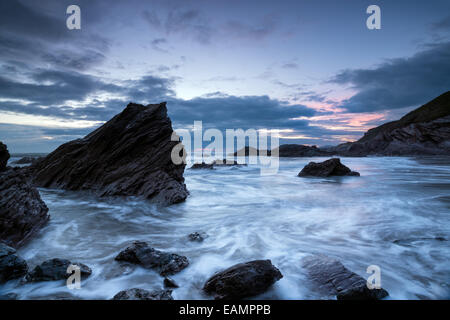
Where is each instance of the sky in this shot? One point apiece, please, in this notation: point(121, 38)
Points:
point(311, 69)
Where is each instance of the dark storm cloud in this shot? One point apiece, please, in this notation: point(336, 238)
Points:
point(224, 111)
point(399, 83)
point(32, 35)
point(188, 22)
point(443, 24)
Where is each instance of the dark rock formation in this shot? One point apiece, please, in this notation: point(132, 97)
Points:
point(4, 156)
point(11, 265)
point(197, 236)
point(56, 269)
point(141, 294)
point(130, 155)
point(424, 131)
point(335, 279)
point(22, 211)
point(243, 280)
point(142, 254)
point(202, 165)
point(298, 150)
point(170, 283)
point(331, 167)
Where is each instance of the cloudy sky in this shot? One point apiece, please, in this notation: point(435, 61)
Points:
point(309, 68)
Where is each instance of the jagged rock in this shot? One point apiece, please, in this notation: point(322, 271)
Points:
point(170, 283)
point(142, 254)
point(202, 165)
point(424, 131)
point(4, 156)
point(335, 279)
point(243, 280)
point(331, 167)
point(130, 155)
point(22, 211)
point(141, 294)
point(56, 269)
point(197, 236)
point(11, 265)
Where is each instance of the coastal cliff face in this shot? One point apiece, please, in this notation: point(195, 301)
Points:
point(424, 131)
point(130, 155)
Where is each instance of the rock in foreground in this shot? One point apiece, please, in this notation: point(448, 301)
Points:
point(22, 211)
point(328, 168)
point(142, 254)
point(130, 155)
point(335, 279)
point(56, 269)
point(141, 294)
point(11, 265)
point(243, 280)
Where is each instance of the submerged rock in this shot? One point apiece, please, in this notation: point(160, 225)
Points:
point(9, 296)
point(197, 236)
point(11, 265)
point(56, 269)
point(335, 279)
point(130, 155)
point(22, 211)
point(170, 283)
point(141, 294)
point(4, 156)
point(331, 167)
point(142, 254)
point(243, 280)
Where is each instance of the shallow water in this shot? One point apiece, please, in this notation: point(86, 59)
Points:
point(390, 217)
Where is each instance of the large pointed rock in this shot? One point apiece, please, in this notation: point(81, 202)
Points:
point(130, 155)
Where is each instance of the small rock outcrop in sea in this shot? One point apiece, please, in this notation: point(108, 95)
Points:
point(142, 254)
point(285, 150)
point(335, 279)
point(424, 131)
point(4, 156)
point(202, 165)
point(28, 160)
point(56, 269)
point(130, 155)
point(141, 294)
point(197, 236)
point(11, 265)
point(243, 280)
point(170, 283)
point(328, 168)
point(217, 163)
point(22, 211)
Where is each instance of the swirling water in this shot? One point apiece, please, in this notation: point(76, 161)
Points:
point(396, 215)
